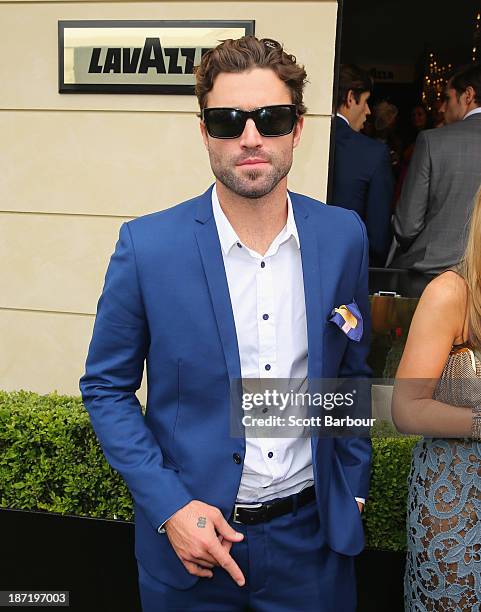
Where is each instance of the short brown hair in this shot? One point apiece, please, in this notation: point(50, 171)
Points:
point(352, 78)
point(244, 54)
point(469, 76)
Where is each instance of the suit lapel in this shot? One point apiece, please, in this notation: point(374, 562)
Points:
point(213, 263)
point(314, 296)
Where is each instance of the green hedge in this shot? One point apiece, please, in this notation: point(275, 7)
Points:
point(385, 515)
point(50, 460)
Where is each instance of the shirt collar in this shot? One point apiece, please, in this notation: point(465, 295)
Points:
point(473, 112)
point(228, 236)
point(342, 117)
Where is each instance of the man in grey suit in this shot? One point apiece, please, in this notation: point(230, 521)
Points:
point(444, 175)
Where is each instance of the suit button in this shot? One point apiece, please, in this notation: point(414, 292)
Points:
point(237, 458)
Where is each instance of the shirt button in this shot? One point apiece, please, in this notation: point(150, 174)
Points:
point(263, 264)
point(239, 245)
point(265, 317)
point(264, 410)
point(270, 454)
point(237, 458)
point(267, 366)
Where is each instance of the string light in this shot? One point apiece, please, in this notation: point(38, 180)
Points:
point(437, 75)
point(435, 81)
point(476, 37)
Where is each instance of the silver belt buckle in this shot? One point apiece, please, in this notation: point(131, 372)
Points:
point(240, 506)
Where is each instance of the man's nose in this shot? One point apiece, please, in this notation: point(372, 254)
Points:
point(442, 108)
point(368, 110)
point(250, 137)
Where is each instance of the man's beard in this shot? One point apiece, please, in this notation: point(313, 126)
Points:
point(248, 185)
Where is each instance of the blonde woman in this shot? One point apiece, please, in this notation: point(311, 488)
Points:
point(437, 394)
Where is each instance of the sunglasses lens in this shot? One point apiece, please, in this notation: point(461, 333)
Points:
point(230, 122)
point(275, 120)
point(224, 122)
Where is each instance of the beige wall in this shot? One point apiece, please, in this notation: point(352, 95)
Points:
point(74, 167)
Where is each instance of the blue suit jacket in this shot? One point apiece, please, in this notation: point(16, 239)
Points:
point(166, 301)
point(363, 182)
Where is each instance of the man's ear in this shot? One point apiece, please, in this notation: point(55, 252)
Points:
point(298, 131)
point(350, 99)
point(470, 94)
point(205, 136)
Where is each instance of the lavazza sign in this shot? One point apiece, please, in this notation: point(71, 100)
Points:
point(141, 60)
point(137, 56)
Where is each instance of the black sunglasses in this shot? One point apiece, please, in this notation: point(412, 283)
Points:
point(275, 120)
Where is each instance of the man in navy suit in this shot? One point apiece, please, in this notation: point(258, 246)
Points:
point(239, 282)
point(363, 179)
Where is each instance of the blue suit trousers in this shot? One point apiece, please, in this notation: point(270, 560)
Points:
point(287, 568)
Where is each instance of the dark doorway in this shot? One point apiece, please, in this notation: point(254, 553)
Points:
point(393, 39)
point(410, 48)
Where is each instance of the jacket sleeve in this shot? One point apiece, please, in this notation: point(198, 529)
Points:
point(113, 374)
point(408, 221)
point(378, 210)
point(355, 452)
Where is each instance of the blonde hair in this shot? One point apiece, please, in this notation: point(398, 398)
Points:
point(470, 270)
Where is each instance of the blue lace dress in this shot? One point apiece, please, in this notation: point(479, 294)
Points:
point(443, 568)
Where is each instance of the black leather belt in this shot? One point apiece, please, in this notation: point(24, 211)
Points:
point(252, 514)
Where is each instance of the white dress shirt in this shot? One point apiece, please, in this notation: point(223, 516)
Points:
point(475, 111)
point(342, 117)
point(267, 296)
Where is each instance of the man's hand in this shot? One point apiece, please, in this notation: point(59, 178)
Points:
point(202, 538)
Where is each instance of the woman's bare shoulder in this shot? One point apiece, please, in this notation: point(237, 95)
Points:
point(446, 295)
point(448, 289)
point(437, 324)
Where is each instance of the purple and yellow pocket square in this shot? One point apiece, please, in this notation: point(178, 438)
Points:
point(349, 319)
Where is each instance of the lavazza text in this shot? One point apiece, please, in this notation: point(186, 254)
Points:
point(141, 59)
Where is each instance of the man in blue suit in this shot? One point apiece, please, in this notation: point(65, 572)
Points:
point(239, 282)
point(363, 179)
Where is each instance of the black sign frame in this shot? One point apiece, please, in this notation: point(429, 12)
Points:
point(153, 88)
